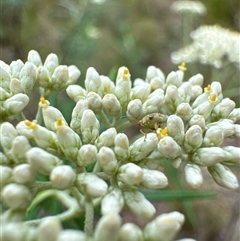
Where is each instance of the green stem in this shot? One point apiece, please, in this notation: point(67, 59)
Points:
point(89, 215)
point(104, 119)
point(123, 126)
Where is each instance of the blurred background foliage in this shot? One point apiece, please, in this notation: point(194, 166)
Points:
point(107, 34)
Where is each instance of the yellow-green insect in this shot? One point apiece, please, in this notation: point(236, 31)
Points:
point(152, 122)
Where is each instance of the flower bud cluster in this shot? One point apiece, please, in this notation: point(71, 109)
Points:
point(180, 121)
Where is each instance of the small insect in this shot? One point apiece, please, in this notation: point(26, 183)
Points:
point(152, 122)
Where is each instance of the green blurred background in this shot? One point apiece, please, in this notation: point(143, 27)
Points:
point(109, 34)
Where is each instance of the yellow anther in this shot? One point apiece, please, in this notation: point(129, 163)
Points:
point(161, 132)
point(30, 124)
point(60, 122)
point(43, 103)
point(208, 89)
point(126, 75)
point(213, 98)
point(182, 67)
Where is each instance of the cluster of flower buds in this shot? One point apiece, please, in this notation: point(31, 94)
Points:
point(207, 47)
point(181, 122)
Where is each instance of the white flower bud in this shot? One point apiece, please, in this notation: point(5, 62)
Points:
point(196, 80)
point(42, 161)
point(142, 147)
point(141, 90)
point(16, 196)
point(4, 94)
point(7, 133)
point(193, 175)
point(24, 174)
point(87, 154)
point(76, 92)
point(223, 176)
point(121, 148)
point(153, 72)
point(169, 148)
point(235, 115)
point(28, 76)
point(154, 102)
point(198, 120)
point(106, 138)
point(173, 79)
point(94, 101)
point(196, 91)
point(171, 98)
point(71, 235)
point(68, 140)
point(186, 239)
point(50, 115)
point(227, 126)
point(91, 184)
point(213, 136)
point(93, 82)
point(16, 67)
point(20, 146)
point(74, 73)
point(108, 227)
point(14, 231)
point(43, 77)
point(112, 202)
point(16, 103)
point(51, 63)
point(184, 111)
point(111, 105)
point(138, 204)
point(108, 85)
point(134, 110)
point(16, 87)
point(62, 177)
point(234, 154)
point(130, 174)
point(157, 83)
point(208, 156)
point(130, 231)
point(5, 77)
point(206, 107)
point(153, 179)
point(34, 57)
point(175, 128)
point(123, 86)
point(6, 175)
point(185, 92)
point(90, 126)
point(60, 77)
point(193, 139)
point(223, 109)
point(107, 160)
point(164, 227)
point(49, 229)
point(202, 98)
point(44, 138)
point(77, 113)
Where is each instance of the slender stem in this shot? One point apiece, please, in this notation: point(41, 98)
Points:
point(123, 126)
point(104, 119)
point(89, 215)
point(39, 116)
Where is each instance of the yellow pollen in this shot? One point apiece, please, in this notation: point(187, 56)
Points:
point(31, 124)
point(43, 103)
point(162, 132)
point(182, 67)
point(208, 89)
point(213, 98)
point(59, 122)
point(126, 74)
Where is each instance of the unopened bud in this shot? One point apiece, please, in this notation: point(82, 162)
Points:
point(94, 101)
point(24, 174)
point(108, 225)
point(193, 175)
point(138, 204)
point(87, 154)
point(34, 57)
point(111, 105)
point(71, 235)
point(223, 176)
point(213, 136)
point(62, 177)
point(175, 128)
point(130, 231)
point(106, 138)
point(121, 146)
point(193, 138)
point(130, 174)
point(134, 110)
point(76, 92)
